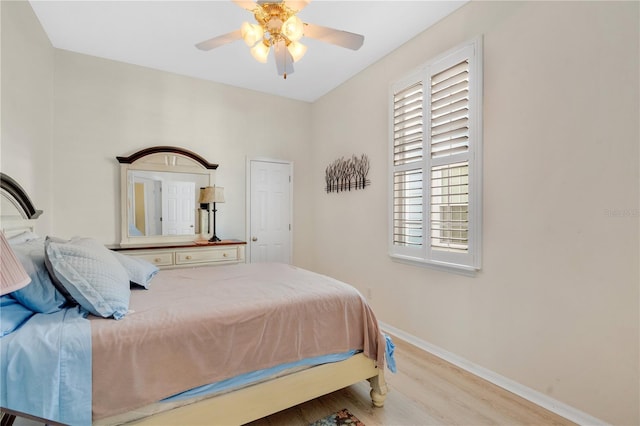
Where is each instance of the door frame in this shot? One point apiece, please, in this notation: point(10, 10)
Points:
point(248, 202)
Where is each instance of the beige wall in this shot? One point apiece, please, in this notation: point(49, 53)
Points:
point(105, 108)
point(27, 105)
point(555, 306)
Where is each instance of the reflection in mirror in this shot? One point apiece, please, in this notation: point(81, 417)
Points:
point(159, 189)
point(163, 203)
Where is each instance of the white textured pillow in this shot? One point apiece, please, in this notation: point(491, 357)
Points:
point(140, 271)
point(88, 273)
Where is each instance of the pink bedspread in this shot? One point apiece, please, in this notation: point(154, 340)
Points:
point(202, 325)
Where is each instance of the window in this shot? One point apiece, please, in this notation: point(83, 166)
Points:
point(436, 153)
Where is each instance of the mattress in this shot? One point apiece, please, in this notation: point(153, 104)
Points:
point(204, 325)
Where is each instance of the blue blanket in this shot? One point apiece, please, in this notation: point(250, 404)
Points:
point(46, 367)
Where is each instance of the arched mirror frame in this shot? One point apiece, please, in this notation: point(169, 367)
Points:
point(159, 159)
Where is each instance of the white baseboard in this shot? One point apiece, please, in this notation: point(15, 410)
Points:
point(529, 394)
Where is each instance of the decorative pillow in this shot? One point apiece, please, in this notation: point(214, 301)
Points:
point(140, 271)
point(40, 295)
point(90, 274)
point(12, 315)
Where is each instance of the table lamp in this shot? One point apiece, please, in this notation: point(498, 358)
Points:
point(212, 194)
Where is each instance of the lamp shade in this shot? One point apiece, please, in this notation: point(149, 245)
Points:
point(297, 50)
point(260, 52)
point(206, 195)
point(251, 33)
point(293, 28)
point(12, 275)
point(211, 194)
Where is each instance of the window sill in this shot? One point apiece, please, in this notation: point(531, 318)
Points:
point(467, 271)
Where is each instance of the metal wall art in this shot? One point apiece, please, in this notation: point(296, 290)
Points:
point(345, 175)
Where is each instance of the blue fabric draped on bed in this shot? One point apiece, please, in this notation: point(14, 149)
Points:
point(46, 367)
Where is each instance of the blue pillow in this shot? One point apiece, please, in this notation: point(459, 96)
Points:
point(140, 271)
point(40, 295)
point(12, 314)
point(90, 274)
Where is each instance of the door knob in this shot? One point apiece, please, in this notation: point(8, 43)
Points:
point(254, 239)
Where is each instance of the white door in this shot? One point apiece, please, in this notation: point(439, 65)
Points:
point(270, 211)
point(178, 207)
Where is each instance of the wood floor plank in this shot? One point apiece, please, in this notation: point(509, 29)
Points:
point(426, 391)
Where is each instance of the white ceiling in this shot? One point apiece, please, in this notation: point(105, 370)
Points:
point(162, 35)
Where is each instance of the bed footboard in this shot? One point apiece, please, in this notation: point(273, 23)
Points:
point(257, 401)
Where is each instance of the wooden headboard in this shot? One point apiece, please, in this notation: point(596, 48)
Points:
point(17, 212)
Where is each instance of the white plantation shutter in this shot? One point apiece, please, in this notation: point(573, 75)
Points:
point(450, 111)
point(407, 125)
point(449, 149)
point(408, 208)
point(408, 148)
point(436, 152)
point(449, 222)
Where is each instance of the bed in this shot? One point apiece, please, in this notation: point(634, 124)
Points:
point(232, 343)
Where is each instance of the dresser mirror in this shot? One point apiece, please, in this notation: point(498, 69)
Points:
point(159, 189)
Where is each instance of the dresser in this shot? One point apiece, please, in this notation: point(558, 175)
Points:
point(186, 255)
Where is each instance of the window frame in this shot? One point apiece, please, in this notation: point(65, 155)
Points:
point(469, 262)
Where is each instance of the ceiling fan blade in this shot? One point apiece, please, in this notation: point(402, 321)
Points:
point(284, 60)
point(297, 5)
point(338, 37)
point(218, 41)
point(246, 4)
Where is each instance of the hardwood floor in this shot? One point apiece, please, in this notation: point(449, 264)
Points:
point(425, 391)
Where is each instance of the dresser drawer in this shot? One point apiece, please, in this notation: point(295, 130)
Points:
point(206, 256)
point(157, 258)
point(223, 253)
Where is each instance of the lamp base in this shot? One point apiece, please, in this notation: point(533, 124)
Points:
point(214, 239)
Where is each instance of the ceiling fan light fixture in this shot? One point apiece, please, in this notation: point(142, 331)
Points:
point(260, 52)
point(293, 28)
point(297, 50)
point(251, 33)
point(278, 27)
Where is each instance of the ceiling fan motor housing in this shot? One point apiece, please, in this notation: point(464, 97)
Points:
point(271, 16)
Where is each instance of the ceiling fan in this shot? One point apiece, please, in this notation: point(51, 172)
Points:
point(279, 27)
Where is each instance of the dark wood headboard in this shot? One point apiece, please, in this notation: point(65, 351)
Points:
point(18, 196)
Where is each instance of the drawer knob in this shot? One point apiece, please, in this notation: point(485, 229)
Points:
point(224, 254)
point(157, 260)
point(188, 257)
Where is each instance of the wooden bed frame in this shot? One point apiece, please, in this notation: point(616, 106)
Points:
point(236, 407)
point(260, 400)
